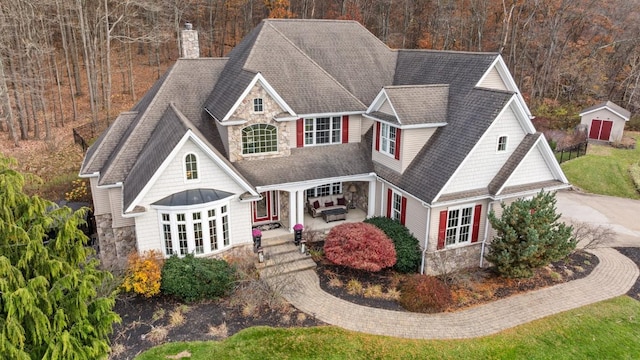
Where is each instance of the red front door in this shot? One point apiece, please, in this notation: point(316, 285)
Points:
point(266, 209)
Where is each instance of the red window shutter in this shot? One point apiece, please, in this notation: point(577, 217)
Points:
point(345, 129)
point(442, 229)
point(397, 154)
point(389, 198)
point(300, 133)
point(476, 223)
point(403, 212)
point(377, 135)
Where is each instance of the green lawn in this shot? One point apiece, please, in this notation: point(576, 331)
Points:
point(605, 170)
point(607, 330)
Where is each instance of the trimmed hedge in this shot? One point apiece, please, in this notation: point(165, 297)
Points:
point(406, 245)
point(425, 294)
point(359, 246)
point(191, 279)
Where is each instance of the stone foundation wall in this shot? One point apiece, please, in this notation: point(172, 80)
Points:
point(115, 245)
point(446, 261)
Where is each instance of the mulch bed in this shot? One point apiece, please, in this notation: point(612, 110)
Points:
point(145, 320)
point(633, 253)
point(150, 322)
point(470, 287)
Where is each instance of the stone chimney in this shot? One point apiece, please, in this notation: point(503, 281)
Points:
point(189, 42)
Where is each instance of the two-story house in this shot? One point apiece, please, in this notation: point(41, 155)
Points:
point(308, 108)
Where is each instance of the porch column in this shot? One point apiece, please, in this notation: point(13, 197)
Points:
point(300, 206)
point(371, 201)
point(292, 209)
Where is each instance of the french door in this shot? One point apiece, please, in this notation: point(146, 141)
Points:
point(267, 208)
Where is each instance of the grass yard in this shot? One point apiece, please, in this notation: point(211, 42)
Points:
point(606, 330)
point(605, 170)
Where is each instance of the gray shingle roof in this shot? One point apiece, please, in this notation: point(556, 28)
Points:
point(611, 105)
point(419, 104)
point(308, 164)
point(317, 66)
point(186, 84)
point(303, 58)
point(510, 165)
point(450, 144)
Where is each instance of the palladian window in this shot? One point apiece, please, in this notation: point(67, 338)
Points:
point(259, 138)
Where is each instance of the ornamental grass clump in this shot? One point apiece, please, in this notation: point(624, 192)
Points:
point(425, 294)
point(359, 246)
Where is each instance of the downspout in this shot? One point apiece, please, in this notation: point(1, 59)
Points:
point(486, 232)
point(426, 240)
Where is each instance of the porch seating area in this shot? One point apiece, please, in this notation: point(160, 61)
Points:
point(318, 223)
point(316, 205)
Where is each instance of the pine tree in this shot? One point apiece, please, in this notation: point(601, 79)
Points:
point(49, 304)
point(529, 236)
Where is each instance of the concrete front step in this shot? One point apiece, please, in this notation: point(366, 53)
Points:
point(282, 257)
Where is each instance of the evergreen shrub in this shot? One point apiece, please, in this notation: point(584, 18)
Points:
point(191, 279)
point(406, 245)
point(529, 236)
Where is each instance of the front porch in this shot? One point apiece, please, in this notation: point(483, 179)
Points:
point(317, 224)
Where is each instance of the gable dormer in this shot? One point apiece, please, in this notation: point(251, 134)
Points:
point(405, 118)
point(251, 130)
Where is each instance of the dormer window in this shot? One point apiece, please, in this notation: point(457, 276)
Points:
point(257, 105)
point(502, 143)
point(191, 167)
point(387, 139)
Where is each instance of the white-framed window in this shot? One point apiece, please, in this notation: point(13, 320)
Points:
point(197, 231)
point(257, 105)
point(165, 222)
point(502, 143)
point(259, 138)
point(325, 190)
point(191, 167)
point(325, 130)
point(459, 225)
point(396, 206)
point(388, 139)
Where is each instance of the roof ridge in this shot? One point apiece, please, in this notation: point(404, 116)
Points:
point(450, 51)
point(415, 86)
point(88, 161)
point(315, 64)
point(137, 126)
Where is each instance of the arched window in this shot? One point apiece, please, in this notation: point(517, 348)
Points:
point(191, 167)
point(259, 138)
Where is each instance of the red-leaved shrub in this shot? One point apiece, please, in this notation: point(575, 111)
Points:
point(359, 246)
point(425, 294)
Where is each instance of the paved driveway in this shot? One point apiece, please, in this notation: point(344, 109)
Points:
point(621, 215)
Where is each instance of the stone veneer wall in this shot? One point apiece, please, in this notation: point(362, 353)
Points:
point(245, 111)
point(445, 261)
point(362, 193)
point(115, 244)
point(285, 217)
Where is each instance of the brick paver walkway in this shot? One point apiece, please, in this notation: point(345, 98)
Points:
point(614, 276)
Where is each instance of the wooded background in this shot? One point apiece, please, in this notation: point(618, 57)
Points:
point(60, 59)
